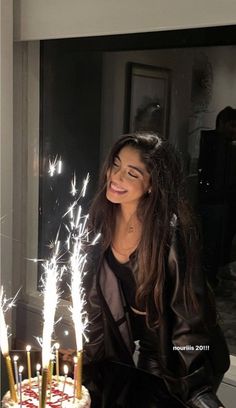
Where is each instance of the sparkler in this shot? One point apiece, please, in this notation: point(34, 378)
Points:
point(77, 234)
point(4, 306)
point(50, 303)
point(78, 261)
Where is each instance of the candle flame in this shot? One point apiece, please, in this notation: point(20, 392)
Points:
point(28, 348)
point(38, 366)
point(75, 359)
point(66, 370)
point(15, 358)
point(21, 368)
point(57, 346)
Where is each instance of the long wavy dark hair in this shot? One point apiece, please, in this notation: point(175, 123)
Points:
point(156, 211)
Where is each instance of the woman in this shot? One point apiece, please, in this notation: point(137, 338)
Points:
point(144, 282)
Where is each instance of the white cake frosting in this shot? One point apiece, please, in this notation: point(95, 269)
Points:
point(30, 396)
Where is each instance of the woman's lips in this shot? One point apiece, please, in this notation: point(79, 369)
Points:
point(116, 189)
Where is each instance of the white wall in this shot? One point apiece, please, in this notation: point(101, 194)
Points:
point(6, 142)
point(40, 19)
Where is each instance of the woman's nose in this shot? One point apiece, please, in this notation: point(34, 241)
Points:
point(119, 173)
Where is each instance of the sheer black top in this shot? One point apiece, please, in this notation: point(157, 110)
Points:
point(148, 349)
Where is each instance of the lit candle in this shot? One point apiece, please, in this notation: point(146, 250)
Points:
point(21, 368)
point(64, 384)
point(75, 375)
point(11, 378)
point(28, 348)
point(38, 367)
point(57, 346)
point(15, 359)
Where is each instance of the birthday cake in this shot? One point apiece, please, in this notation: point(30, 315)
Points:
point(60, 394)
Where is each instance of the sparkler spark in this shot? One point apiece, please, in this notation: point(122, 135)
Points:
point(73, 186)
point(55, 166)
point(96, 239)
point(59, 167)
point(5, 305)
point(83, 192)
point(4, 335)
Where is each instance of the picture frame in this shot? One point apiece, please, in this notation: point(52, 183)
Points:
point(147, 103)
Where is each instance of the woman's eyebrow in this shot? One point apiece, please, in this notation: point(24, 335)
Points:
point(131, 166)
point(136, 168)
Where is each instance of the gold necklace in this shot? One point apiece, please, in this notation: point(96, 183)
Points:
point(130, 229)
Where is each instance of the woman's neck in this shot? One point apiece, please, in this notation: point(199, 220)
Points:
point(127, 234)
point(127, 213)
point(127, 222)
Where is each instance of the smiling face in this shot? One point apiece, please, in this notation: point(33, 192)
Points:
point(128, 179)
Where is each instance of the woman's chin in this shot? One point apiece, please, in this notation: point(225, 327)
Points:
point(112, 198)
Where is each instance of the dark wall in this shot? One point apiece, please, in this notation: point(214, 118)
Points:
point(70, 99)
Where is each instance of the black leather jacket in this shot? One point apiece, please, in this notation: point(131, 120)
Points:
point(193, 352)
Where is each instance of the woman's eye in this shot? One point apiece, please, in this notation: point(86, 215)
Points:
point(132, 175)
point(115, 164)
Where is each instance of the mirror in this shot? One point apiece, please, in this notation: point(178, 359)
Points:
point(84, 103)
